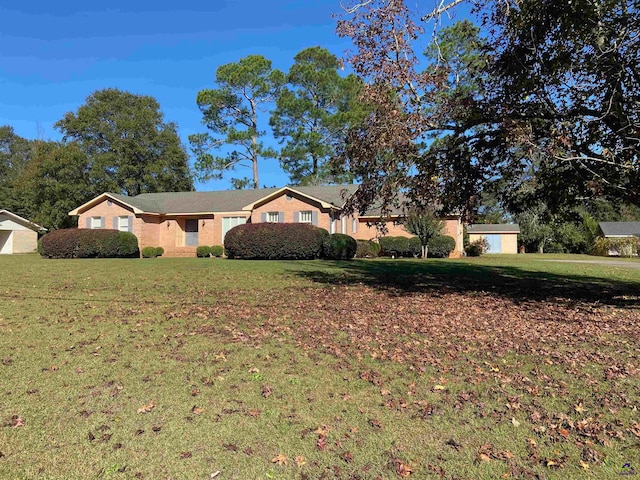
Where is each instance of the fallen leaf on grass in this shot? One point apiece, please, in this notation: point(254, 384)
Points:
point(280, 459)
point(266, 391)
point(147, 408)
point(185, 455)
point(402, 468)
point(347, 457)
point(300, 461)
point(196, 410)
point(515, 422)
point(17, 421)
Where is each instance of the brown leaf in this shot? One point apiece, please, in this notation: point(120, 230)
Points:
point(266, 391)
point(196, 410)
point(147, 408)
point(17, 421)
point(185, 455)
point(280, 459)
point(347, 457)
point(300, 461)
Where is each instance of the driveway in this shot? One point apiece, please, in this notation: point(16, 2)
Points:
point(613, 263)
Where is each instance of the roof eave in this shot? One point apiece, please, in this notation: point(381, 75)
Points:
point(280, 191)
point(100, 198)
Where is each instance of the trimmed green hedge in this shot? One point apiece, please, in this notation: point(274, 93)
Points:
point(152, 252)
point(367, 249)
point(339, 246)
point(203, 252)
point(85, 243)
point(400, 247)
point(217, 250)
point(441, 246)
point(271, 241)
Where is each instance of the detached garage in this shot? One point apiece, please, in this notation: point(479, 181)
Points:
point(502, 238)
point(17, 235)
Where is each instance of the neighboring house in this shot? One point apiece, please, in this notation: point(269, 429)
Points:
point(501, 238)
point(17, 235)
point(620, 230)
point(180, 221)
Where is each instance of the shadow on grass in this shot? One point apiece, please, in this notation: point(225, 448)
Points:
point(403, 277)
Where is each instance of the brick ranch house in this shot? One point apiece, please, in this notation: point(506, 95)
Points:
point(181, 221)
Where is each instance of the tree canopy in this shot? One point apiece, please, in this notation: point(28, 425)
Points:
point(130, 147)
point(551, 109)
point(312, 115)
point(231, 113)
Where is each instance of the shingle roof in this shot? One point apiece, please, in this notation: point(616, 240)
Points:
point(494, 228)
point(620, 229)
point(226, 200)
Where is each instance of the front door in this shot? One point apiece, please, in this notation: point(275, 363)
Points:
point(191, 233)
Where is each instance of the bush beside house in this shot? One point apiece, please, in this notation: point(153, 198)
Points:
point(152, 252)
point(367, 249)
point(441, 246)
point(275, 241)
point(81, 243)
point(339, 247)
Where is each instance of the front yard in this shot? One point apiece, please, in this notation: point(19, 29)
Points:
point(494, 367)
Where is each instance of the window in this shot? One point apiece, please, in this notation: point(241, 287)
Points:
point(229, 222)
point(96, 222)
point(123, 224)
point(306, 217)
point(273, 217)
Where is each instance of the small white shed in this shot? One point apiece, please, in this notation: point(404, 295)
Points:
point(17, 235)
point(501, 238)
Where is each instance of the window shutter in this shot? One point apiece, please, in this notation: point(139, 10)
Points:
point(296, 217)
point(314, 217)
point(281, 217)
point(115, 223)
point(88, 225)
point(101, 222)
point(263, 217)
point(130, 227)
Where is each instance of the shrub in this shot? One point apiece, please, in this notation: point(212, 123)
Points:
point(477, 248)
point(414, 247)
point(623, 247)
point(83, 243)
point(287, 241)
point(339, 247)
point(159, 251)
point(203, 252)
point(149, 252)
point(441, 246)
point(367, 249)
point(400, 246)
point(216, 250)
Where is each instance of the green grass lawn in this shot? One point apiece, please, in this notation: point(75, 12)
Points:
point(486, 368)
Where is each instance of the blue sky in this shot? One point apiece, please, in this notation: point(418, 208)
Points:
point(55, 54)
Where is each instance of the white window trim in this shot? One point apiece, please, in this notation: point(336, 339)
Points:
point(308, 214)
point(271, 216)
point(96, 223)
point(125, 227)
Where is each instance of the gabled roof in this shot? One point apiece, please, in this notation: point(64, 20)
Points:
point(22, 221)
point(220, 201)
point(620, 229)
point(494, 228)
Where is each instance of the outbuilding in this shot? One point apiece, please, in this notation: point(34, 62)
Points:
point(17, 235)
point(501, 238)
